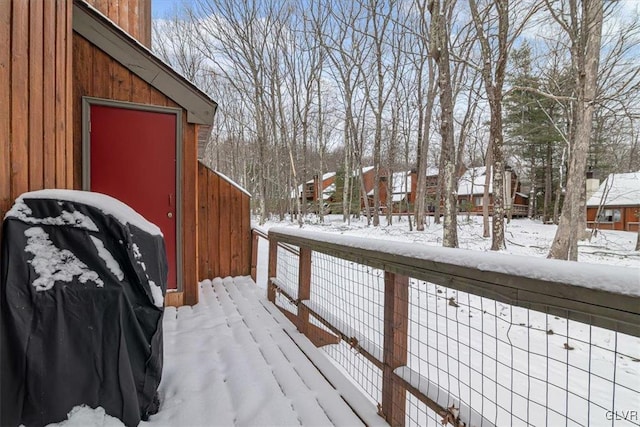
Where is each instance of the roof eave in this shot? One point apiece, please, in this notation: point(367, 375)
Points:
point(115, 42)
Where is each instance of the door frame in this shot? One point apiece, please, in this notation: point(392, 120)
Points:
point(87, 102)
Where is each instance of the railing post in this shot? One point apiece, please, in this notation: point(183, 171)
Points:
point(255, 239)
point(273, 266)
point(304, 288)
point(396, 321)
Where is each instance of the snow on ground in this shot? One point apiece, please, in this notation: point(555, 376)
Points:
point(523, 237)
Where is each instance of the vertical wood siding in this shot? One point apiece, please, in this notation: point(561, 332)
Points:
point(224, 229)
point(35, 87)
point(629, 218)
point(133, 16)
point(98, 75)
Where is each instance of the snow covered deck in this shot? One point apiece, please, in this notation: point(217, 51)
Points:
point(234, 359)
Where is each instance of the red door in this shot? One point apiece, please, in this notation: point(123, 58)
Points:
point(133, 158)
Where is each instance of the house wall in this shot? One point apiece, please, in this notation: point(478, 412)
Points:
point(133, 16)
point(368, 180)
point(224, 229)
point(98, 75)
point(36, 145)
point(628, 218)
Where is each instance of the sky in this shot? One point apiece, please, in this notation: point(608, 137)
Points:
point(160, 8)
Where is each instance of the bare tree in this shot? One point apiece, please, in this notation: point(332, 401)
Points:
point(584, 27)
point(421, 97)
point(345, 47)
point(440, 52)
point(173, 41)
point(497, 28)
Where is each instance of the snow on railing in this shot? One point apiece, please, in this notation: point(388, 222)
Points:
point(438, 335)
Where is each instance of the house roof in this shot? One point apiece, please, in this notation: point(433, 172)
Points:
point(401, 182)
point(621, 189)
point(401, 186)
point(364, 170)
point(328, 192)
point(118, 44)
point(472, 181)
point(324, 177)
point(432, 171)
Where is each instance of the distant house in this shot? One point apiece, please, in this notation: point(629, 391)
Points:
point(471, 192)
point(616, 203)
point(316, 188)
point(368, 179)
point(398, 188)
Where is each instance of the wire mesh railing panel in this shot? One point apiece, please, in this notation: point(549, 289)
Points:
point(350, 296)
point(288, 271)
point(447, 352)
point(498, 364)
point(419, 414)
point(363, 373)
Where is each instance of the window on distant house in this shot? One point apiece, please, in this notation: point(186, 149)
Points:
point(477, 201)
point(609, 215)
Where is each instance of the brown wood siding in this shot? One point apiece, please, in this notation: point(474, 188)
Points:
point(5, 112)
point(629, 218)
point(189, 212)
point(133, 16)
point(224, 229)
point(35, 81)
point(99, 76)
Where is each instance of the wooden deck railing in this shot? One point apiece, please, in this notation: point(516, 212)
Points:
point(557, 290)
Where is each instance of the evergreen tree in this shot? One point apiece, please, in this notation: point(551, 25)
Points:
point(531, 125)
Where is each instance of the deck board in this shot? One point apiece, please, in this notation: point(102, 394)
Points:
point(255, 374)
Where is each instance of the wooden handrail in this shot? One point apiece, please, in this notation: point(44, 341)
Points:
point(561, 288)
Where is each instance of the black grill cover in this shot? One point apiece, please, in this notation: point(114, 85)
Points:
point(74, 327)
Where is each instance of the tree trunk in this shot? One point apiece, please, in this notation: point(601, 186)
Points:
point(532, 191)
point(585, 60)
point(486, 230)
point(548, 185)
point(497, 226)
point(440, 38)
point(421, 190)
point(493, 83)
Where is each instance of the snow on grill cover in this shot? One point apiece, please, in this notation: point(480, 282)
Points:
point(82, 283)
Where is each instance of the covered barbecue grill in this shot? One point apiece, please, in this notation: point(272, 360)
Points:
point(82, 284)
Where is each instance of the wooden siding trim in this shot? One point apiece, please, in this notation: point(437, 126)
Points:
point(36, 100)
point(49, 83)
point(174, 299)
point(19, 101)
point(69, 97)
point(213, 230)
point(82, 84)
point(5, 107)
point(60, 98)
point(203, 265)
point(189, 221)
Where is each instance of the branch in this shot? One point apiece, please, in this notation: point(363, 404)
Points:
point(539, 92)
